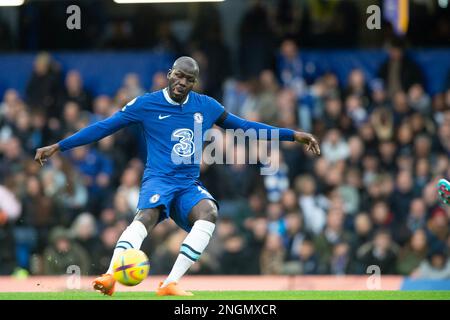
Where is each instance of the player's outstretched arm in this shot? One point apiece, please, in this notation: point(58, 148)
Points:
point(231, 121)
point(92, 133)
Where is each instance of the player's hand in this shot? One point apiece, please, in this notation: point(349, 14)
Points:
point(309, 140)
point(42, 154)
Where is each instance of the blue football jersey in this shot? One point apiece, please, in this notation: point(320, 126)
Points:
point(173, 132)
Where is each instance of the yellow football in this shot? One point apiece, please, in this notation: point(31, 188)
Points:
point(131, 267)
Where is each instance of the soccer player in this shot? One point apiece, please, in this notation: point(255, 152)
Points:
point(171, 188)
point(444, 191)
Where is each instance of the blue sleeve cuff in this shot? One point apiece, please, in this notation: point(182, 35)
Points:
point(286, 134)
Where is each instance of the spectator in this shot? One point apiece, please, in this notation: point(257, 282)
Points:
point(13, 157)
point(356, 151)
point(101, 108)
point(355, 109)
point(62, 252)
point(369, 137)
point(416, 219)
point(291, 69)
point(7, 249)
point(294, 234)
point(159, 81)
point(363, 227)
point(435, 267)
point(334, 147)
point(10, 209)
point(96, 171)
point(437, 229)
point(43, 86)
point(103, 249)
point(418, 99)
point(236, 256)
point(405, 139)
point(84, 232)
point(349, 191)
point(413, 253)
point(399, 72)
point(387, 150)
point(38, 211)
point(341, 260)
point(278, 182)
point(333, 112)
point(378, 96)
point(422, 174)
point(289, 201)
point(308, 260)
point(422, 146)
point(255, 35)
point(69, 191)
point(167, 252)
point(382, 216)
point(225, 228)
point(357, 85)
point(311, 205)
point(272, 255)
point(383, 123)
point(381, 252)
point(332, 234)
point(267, 98)
point(74, 91)
point(132, 85)
point(71, 116)
point(401, 108)
point(402, 196)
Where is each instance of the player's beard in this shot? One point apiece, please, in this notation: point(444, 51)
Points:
point(178, 97)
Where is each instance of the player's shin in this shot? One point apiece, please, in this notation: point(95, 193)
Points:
point(132, 237)
point(191, 249)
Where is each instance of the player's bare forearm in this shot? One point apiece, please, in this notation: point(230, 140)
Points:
point(309, 140)
point(42, 154)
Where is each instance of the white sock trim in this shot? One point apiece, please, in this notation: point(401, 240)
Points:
point(205, 226)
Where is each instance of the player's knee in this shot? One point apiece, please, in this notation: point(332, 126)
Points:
point(148, 217)
point(210, 213)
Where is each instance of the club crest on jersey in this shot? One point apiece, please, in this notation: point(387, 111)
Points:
point(198, 117)
point(154, 198)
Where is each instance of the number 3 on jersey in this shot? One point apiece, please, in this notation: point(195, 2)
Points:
point(185, 146)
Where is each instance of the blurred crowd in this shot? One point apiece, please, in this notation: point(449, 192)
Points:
point(369, 199)
point(324, 24)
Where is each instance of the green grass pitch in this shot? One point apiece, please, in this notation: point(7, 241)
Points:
point(235, 295)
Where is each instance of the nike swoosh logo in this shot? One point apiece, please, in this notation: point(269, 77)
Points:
point(163, 117)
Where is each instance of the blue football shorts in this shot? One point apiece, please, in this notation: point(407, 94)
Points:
point(176, 197)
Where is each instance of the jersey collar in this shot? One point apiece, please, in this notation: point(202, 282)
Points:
point(170, 100)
